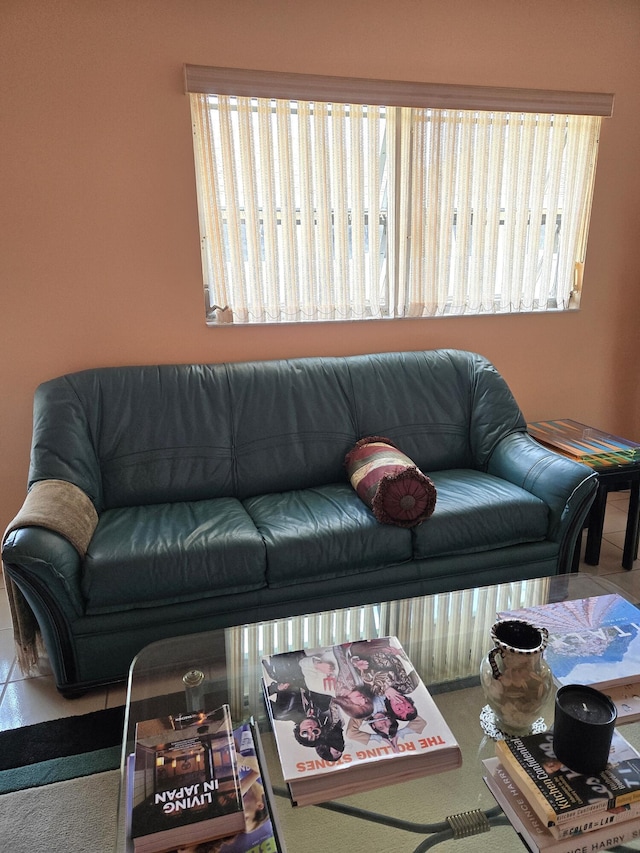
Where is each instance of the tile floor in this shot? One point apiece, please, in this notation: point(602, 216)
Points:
point(32, 700)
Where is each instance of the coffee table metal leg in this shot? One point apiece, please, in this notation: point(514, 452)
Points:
point(461, 825)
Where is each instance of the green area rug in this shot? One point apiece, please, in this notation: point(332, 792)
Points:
point(62, 749)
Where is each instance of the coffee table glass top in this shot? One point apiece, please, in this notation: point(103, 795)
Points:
point(445, 635)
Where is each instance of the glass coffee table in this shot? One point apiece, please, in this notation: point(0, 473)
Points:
point(446, 636)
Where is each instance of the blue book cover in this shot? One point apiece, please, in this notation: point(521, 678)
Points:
point(259, 834)
point(592, 641)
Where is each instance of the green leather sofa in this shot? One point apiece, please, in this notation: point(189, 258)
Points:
point(220, 497)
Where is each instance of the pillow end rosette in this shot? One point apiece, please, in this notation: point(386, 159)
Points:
point(389, 482)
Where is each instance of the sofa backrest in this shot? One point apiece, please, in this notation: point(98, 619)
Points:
point(155, 434)
point(443, 408)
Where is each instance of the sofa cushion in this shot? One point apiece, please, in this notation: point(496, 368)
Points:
point(153, 555)
point(323, 533)
point(479, 512)
point(389, 482)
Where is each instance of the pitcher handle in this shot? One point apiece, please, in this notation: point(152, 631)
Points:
point(492, 660)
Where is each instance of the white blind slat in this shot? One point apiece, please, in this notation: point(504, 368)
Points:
point(251, 212)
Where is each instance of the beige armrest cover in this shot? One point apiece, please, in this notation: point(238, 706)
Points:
point(59, 506)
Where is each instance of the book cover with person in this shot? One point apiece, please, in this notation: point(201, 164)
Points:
point(561, 797)
point(351, 717)
point(186, 784)
point(593, 640)
point(602, 832)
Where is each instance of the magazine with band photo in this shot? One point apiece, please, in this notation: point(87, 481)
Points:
point(351, 717)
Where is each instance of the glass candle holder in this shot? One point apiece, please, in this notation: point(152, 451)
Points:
point(194, 684)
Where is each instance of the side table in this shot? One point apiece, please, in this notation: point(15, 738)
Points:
point(617, 463)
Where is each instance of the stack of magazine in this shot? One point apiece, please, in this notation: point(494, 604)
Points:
point(351, 717)
point(556, 810)
point(194, 779)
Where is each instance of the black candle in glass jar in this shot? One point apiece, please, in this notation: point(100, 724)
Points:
point(583, 728)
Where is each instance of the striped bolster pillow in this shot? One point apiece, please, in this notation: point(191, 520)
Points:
point(389, 482)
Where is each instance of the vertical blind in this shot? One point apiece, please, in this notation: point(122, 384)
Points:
point(446, 635)
point(496, 213)
point(315, 210)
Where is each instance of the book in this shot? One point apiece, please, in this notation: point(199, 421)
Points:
point(262, 834)
point(186, 784)
point(587, 824)
point(352, 717)
point(537, 838)
point(586, 444)
point(626, 698)
point(593, 641)
point(563, 799)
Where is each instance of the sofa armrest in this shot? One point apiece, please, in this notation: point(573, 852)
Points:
point(42, 578)
point(567, 487)
point(43, 560)
point(48, 538)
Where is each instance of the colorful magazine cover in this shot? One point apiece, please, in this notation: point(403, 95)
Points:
point(340, 711)
point(592, 641)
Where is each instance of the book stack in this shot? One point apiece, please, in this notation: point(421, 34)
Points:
point(556, 810)
point(193, 780)
point(352, 717)
point(594, 641)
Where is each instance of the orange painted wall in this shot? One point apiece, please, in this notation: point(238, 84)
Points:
point(99, 247)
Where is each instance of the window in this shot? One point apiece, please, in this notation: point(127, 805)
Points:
point(335, 199)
